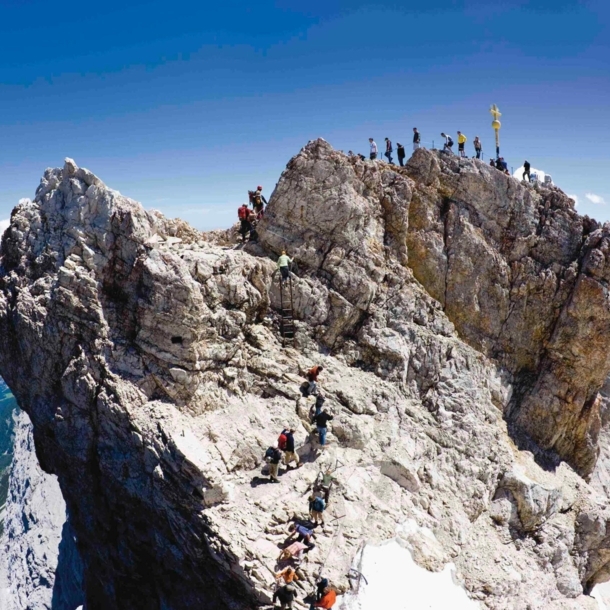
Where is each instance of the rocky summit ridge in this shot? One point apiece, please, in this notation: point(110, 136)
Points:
point(462, 321)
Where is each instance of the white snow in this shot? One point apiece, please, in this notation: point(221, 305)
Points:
point(395, 581)
point(518, 173)
point(601, 593)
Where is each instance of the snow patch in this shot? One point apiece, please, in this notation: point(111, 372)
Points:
point(395, 581)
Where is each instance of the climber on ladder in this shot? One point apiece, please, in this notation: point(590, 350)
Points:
point(287, 329)
point(283, 264)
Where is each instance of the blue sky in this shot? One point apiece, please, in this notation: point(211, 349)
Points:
point(184, 106)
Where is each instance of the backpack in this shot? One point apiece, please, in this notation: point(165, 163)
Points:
point(282, 441)
point(318, 505)
point(242, 213)
point(269, 454)
point(449, 142)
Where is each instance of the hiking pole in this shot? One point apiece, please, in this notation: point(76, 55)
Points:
point(336, 518)
point(360, 575)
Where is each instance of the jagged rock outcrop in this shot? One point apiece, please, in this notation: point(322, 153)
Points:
point(149, 359)
point(40, 566)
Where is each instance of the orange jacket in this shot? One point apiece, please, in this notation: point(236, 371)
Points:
point(328, 601)
point(288, 574)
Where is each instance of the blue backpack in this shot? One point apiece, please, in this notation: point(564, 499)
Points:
point(318, 505)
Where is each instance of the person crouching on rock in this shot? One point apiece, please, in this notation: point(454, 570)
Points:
point(288, 574)
point(273, 457)
point(283, 263)
point(293, 551)
point(302, 533)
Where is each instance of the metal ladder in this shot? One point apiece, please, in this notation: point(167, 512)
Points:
point(287, 319)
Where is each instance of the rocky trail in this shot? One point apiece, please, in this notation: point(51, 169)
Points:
point(462, 321)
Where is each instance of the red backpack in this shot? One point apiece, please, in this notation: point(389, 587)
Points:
point(242, 212)
point(282, 441)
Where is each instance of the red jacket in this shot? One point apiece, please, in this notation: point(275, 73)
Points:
point(328, 601)
point(313, 373)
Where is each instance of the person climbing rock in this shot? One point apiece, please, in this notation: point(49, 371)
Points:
point(416, 139)
point(461, 142)
point(316, 408)
point(302, 533)
point(312, 377)
point(293, 551)
point(322, 419)
point(388, 150)
point(526, 171)
point(323, 484)
point(285, 595)
point(448, 146)
point(243, 214)
point(321, 586)
point(273, 457)
point(258, 201)
point(290, 455)
point(316, 509)
point(478, 146)
point(283, 264)
point(288, 575)
point(327, 600)
point(400, 153)
point(373, 154)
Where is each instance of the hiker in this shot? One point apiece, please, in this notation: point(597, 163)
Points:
point(288, 574)
point(323, 483)
point(478, 146)
point(327, 601)
point(316, 407)
point(447, 147)
point(316, 509)
point(283, 263)
point(290, 455)
point(361, 157)
point(526, 172)
point(286, 595)
point(503, 165)
point(293, 551)
point(373, 154)
point(461, 141)
point(273, 457)
point(302, 533)
point(244, 214)
point(322, 420)
point(312, 377)
point(416, 139)
point(400, 152)
point(321, 586)
point(257, 200)
point(388, 150)
point(492, 162)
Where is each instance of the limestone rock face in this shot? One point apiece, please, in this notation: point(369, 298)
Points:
point(524, 279)
point(443, 300)
point(40, 566)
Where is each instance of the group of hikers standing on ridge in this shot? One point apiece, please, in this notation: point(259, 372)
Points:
point(302, 531)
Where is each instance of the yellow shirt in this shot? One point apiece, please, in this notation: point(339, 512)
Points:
point(462, 138)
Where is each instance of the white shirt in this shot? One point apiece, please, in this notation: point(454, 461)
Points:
point(373, 147)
